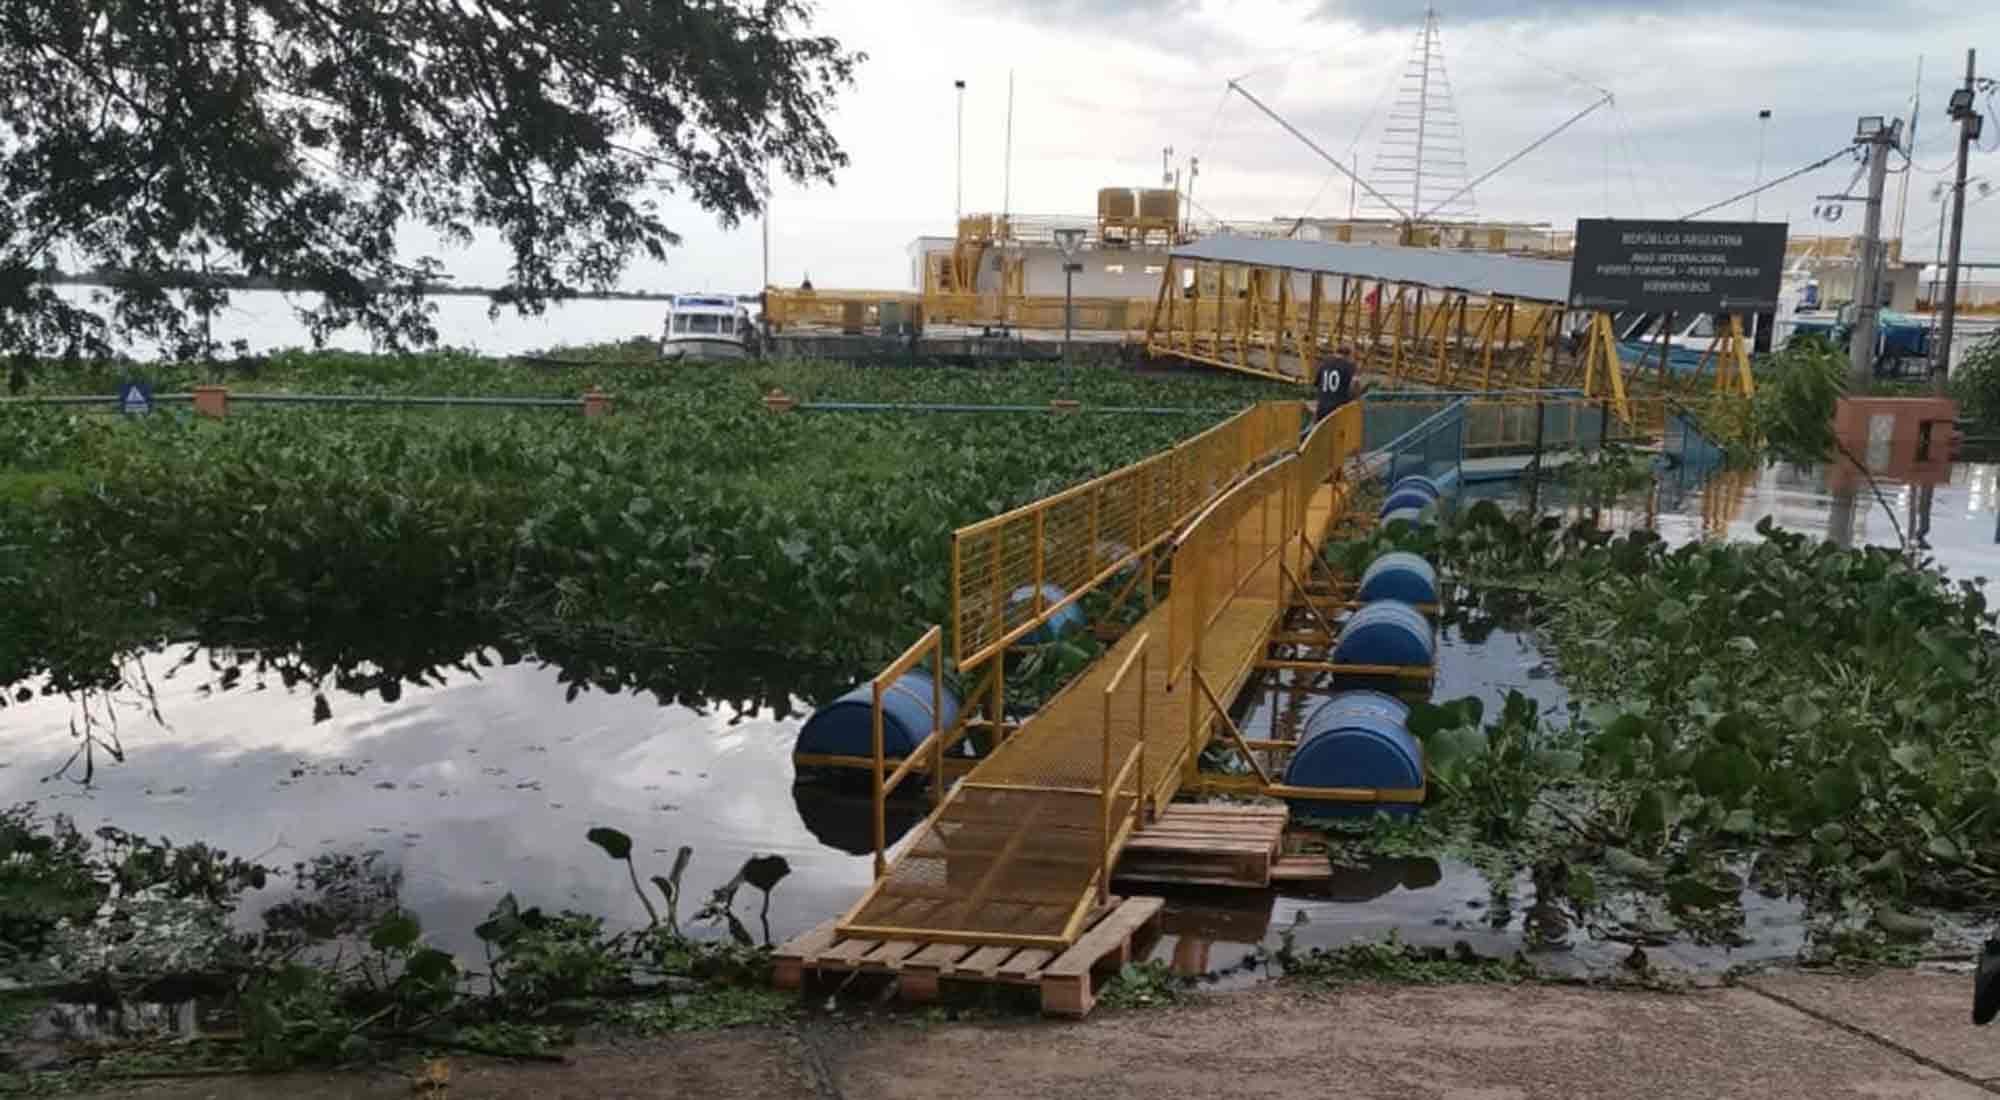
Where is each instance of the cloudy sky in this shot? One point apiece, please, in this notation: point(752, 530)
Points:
point(1102, 85)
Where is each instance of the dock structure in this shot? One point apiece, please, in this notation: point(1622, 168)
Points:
point(1015, 864)
point(1476, 321)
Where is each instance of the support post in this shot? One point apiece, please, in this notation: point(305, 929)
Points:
point(1948, 310)
point(879, 801)
point(1867, 285)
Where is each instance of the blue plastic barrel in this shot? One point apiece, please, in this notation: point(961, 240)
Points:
point(1384, 632)
point(1399, 575)
point(1413, 491)
point(1356, 739)
point(1415, 517)
point(845, 727)
point(1062, 622)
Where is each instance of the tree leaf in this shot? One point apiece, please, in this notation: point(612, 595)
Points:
point(615, 844)
point(398, 931)
point(1725, 772)
point(765, 872)
point(1912, 758)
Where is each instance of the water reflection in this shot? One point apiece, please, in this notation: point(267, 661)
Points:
point(1955, 523)
point(479, 782)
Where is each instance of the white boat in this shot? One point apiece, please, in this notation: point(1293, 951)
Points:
point(703, 326)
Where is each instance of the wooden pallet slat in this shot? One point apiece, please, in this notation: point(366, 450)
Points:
point(983, 963)
point(1026, 965)
point(788, 962)
point(1070, 982)
point(889, 956)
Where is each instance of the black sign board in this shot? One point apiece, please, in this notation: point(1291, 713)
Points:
point(1677, 267)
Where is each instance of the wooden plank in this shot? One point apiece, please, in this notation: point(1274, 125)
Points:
point(983, 963)
point(788, 970)
point(809, 943)
point(890, 955)
point(1195, 838)
point(1211, 849)
point(938, 955)
point(1026, 965)
point(1259, 827)
point(845, 953)
point(1224, 809)
point(1302, 868)
point(1173, 878)
point(1108, 936)
point(917, 982)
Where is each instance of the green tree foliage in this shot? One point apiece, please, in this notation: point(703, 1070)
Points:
point(291, 140)
point(1975, 384)
point(1796, 398)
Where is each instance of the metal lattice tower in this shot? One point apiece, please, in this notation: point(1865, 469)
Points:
point(1420, 160)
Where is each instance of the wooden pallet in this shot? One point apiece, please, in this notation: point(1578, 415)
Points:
point(1069, 982)
point(1207, 844)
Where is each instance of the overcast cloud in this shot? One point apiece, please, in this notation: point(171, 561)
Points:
point(1102, 85)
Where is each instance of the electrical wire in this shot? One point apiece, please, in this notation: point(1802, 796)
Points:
point(1652, 172)
point(1625, 147)
point(1844, 150)
point(1361, 131)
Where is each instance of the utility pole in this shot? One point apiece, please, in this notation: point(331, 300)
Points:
point(1969, 123)
point(1007, 170)
point(1879, 139)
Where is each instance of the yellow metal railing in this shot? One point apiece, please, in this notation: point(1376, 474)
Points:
point(930, 645)
point(862, 309)
point(1111, 787)
point(1226, 550)
point(1002, 568)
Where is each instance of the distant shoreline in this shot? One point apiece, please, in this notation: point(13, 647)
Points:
point(452, 290)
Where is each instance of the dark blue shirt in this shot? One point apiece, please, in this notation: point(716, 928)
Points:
point(1334, 383)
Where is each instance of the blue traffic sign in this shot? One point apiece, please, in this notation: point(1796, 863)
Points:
point(135, 398)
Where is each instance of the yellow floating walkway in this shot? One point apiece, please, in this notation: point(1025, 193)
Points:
point(1018, 851)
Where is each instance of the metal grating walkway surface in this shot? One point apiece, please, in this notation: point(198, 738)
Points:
point(1013, 853)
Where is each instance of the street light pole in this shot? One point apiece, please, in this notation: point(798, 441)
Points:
point(1763, 124)
point(1069, 240)
point(958, 201)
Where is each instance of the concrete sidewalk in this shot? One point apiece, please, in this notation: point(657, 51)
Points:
point(1783, 1036)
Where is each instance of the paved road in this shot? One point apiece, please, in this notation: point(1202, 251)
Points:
point(1780, 1037)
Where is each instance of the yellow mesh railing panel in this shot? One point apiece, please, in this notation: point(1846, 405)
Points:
point(1002, 567)
point(1230, 550)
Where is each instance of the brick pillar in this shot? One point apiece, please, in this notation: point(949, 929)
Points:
point(211, 401)
point(596, 402)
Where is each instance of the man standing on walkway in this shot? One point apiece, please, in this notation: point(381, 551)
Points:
point(1334, 383)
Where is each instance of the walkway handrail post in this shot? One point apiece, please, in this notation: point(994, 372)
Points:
point(880, 799)
point(932, 645)
point(1108, 784)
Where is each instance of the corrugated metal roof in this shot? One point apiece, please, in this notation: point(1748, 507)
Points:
point(1479, 272)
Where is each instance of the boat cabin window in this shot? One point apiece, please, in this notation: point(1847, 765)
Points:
point(698, 324)
point(1703, 327)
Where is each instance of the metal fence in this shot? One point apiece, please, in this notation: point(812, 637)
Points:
point(1011, 573)
point(1434, 448)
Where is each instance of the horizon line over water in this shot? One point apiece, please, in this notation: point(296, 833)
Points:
point(265, 321)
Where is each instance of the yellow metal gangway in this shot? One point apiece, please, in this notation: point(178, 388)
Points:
point(1020, 851)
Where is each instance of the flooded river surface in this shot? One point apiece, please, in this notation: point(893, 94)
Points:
point(486, 785)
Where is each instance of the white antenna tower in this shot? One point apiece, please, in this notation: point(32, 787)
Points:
point(1422, 151)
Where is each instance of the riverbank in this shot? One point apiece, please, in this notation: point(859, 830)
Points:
point(1784, 1034)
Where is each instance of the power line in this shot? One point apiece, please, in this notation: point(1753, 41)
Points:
point(1844, 150)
